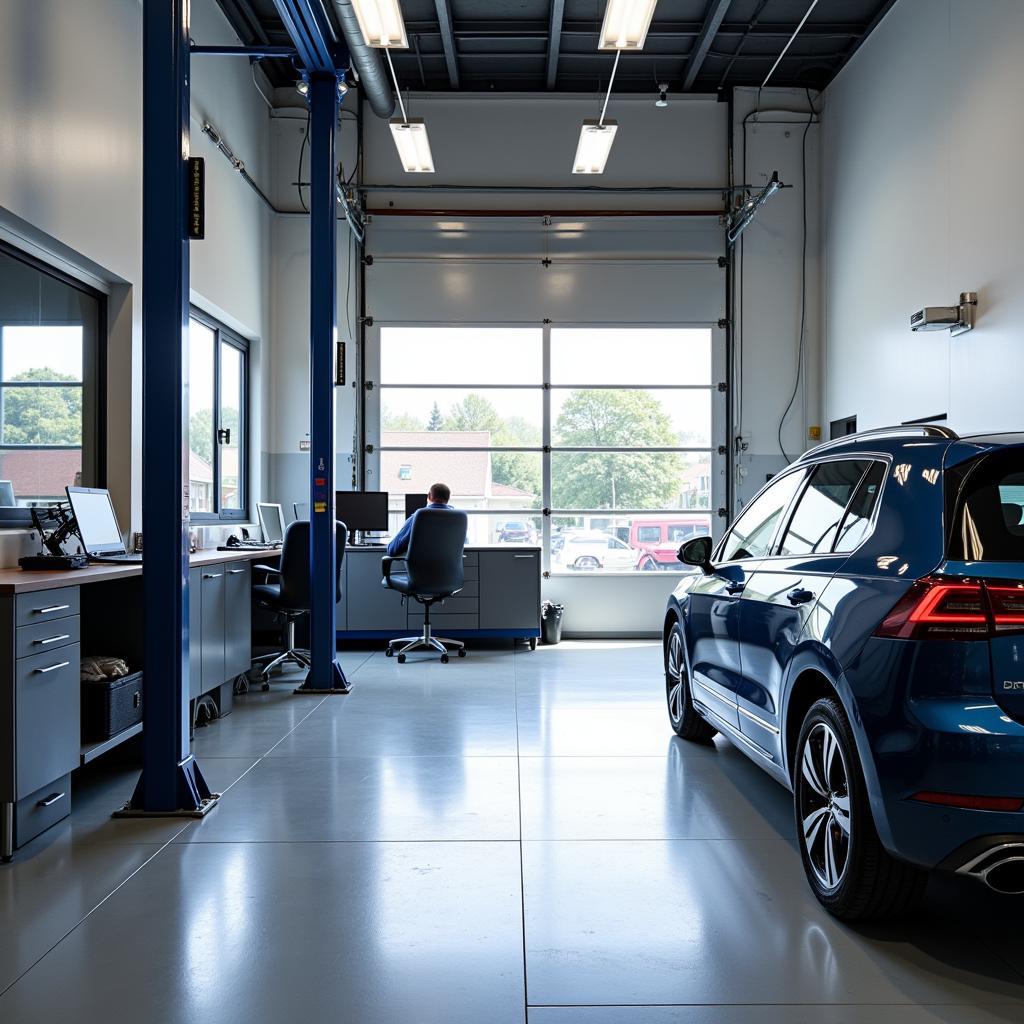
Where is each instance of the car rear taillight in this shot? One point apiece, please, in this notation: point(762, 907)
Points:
point(1010, 804)
point(938, 608)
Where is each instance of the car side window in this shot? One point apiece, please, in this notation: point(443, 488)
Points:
point(814, 525)
point(752, 533)
point(858, 515)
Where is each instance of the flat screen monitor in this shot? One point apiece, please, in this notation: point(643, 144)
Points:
point(366, 511)
point(271, 522)
point(98, 527)
point(414, 502)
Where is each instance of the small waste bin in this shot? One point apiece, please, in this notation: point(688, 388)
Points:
point(551, 622)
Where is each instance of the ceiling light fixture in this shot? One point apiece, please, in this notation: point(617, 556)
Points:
point(413, 145)
point(625, 24)
point(662, 100)
point(302, 87)
point(596, 137)
point(381, 23)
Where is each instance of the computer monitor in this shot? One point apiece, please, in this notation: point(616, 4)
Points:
point(414, 502)
point(271, 522)
point(366, 511)
point(7, 493)
point(98, 527)
point(301, 510)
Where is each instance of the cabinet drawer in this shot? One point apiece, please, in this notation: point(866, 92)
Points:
point(453, 606)
point(470, 558)
point(46, 605)
point(37, 811)
point(46, 636)
point(47, 712)
point(470, 588)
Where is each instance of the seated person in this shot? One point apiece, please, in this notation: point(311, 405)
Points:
point(438, 497)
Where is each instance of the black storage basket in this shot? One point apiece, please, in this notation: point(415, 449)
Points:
point(110, 706)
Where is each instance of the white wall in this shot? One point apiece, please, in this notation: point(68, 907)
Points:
point(71, 183)
point(920, 161)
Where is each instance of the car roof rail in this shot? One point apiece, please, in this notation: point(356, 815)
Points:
point(899, 430)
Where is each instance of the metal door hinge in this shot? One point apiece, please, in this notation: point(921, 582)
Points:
point(545, 512)
point(722, 386)
point(224, 435)
point(722, 323)
point(723, 262)
point(368, 449)
point(545, 262)
point(368, 385)
point(722, 513)
point(546, 320)
point(722, 450)
point(368, 260)
point(366, 321)
point(546, 575)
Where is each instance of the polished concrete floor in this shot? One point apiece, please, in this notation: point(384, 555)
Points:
point(513, 837)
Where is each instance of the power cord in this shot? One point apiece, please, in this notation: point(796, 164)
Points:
point(803, 276)
point(302, 153)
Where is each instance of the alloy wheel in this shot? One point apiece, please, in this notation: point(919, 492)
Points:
point(676, 678)
point(824, 800)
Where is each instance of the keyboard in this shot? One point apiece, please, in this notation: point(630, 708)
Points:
point(116, 559)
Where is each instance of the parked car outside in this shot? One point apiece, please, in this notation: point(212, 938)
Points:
point(658, 540)
point(518, 531)
point(859, 634)
point(590, 551)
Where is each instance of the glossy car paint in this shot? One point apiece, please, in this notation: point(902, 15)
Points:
point(926, 715)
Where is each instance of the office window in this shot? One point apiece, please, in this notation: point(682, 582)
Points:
point(51, 330)
point(615, 441)
point(217, 425)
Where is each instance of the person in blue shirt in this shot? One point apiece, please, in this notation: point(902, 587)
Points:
point(439, 496)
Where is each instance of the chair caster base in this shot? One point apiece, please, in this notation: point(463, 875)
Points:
point(401, 659)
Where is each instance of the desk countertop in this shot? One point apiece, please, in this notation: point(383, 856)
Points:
point(18, 581)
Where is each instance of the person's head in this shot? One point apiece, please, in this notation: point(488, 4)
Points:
point(440, 494)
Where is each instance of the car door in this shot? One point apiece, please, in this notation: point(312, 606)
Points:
point(714, 599)
point(783, 592)
point(621, 557)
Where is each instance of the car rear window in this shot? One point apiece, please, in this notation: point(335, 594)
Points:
point(987, 523)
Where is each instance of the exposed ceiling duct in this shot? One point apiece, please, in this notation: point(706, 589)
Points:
point(367, 62)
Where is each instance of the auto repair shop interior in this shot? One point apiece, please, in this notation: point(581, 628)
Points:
point(511, 511)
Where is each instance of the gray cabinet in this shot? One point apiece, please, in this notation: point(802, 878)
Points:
point(367, 604)
point(237, 619)
point(211, 635)
point(195, 630)
point(509, 589)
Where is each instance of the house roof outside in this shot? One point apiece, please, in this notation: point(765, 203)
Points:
point(412, 471)
point(41, 472)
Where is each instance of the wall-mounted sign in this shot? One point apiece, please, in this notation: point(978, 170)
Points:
point(196, 198)
point(305, 446)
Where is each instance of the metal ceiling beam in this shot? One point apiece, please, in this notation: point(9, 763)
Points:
point(713, 18)
point(554, 40)
point(668, 30)
point(311, 30)
point(444, 20)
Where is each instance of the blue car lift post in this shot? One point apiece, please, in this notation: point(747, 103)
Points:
point(324, 60)
point(171, 783)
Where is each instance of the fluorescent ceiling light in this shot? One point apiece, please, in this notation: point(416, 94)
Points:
point(625, 24)
point(413, 145)
point(381, 23)
point(595, 144)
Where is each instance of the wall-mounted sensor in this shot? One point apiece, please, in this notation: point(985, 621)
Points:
point(662, 100)
point(955, 319)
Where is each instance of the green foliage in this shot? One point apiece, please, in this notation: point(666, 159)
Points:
point(598, 480)
point(43, 415)
point(436, 421)
point(401, 421)
point(514, 469)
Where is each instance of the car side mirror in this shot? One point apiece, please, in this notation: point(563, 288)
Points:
point(697, 552)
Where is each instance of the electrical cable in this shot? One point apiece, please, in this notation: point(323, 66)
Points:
point(266, 99)
point(803, 276)
point(302, 153)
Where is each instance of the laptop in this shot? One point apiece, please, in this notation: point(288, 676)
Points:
point(98, 528)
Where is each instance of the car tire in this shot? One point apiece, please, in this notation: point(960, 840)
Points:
point(586, 563)
point(648, 565)
point(850, 872)
point(682, 715)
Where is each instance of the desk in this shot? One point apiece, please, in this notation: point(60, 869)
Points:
point(47, 619)
point(500, 599)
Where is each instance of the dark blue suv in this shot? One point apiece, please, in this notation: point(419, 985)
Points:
point(859, 633)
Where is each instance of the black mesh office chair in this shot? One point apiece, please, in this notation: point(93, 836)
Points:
point(429, 572)
point(289, 598)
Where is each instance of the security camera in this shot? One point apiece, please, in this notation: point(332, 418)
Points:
point(955, 319)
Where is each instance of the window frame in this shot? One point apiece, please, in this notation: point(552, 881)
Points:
point(94, 366)
point(784, 515)
point(222, 333)
point(546, 448)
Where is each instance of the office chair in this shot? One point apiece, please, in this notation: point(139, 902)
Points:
point(429, 572)
point(289, 598)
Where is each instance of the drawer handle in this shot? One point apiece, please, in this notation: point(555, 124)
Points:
point(212, 575)
point(52, 608)
point(53, 668)
point(235, 572)
point(523, 556)
point(51, 800)
point(52, 639)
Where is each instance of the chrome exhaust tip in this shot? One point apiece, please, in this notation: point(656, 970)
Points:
point(1001, 868)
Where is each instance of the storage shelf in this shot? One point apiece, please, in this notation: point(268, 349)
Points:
point(90, 751)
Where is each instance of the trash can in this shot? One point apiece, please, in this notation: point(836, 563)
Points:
point(551, 622)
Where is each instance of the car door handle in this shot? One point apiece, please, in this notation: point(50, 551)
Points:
point(735, 587)
point(799, 596)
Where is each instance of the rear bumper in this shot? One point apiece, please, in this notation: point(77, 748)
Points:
point(914, 735)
